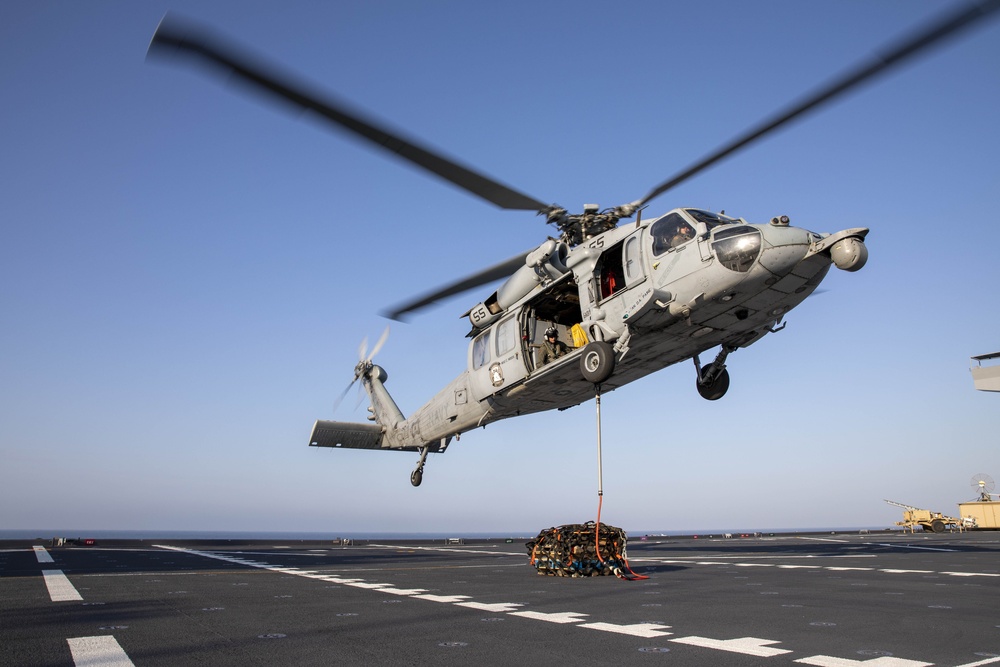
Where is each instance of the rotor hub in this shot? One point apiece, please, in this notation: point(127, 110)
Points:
point(580, 227)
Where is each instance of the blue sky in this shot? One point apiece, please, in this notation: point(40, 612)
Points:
point(188, 270)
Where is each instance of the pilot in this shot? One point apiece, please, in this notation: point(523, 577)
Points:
point(552, 348)
point(683, 234)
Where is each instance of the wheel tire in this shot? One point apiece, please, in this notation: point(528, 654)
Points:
point(937, 526)
point(416, 477)
point(715, 390)
point(597, 362)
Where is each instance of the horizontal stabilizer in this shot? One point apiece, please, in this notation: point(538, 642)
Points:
point(346, 434)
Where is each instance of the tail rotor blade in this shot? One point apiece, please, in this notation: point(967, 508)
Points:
point(378, 344)
point(364, 358)
point(359, 399)
point(343, 395)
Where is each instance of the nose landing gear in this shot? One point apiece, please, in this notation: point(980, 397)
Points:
point(713, 380)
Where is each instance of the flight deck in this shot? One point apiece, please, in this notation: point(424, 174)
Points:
point(828, 599)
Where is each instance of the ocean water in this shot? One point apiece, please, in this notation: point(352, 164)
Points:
point(155, 534)
point(223, 535)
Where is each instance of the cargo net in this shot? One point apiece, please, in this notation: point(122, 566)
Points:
point(581, 550)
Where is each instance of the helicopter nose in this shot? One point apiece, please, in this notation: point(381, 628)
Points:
point(784, 248)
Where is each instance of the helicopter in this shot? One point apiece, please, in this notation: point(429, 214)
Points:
point(633, 297)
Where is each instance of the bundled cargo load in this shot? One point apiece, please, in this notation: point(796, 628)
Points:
point(581, 550)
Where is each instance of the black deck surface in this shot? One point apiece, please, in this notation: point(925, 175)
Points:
point(886, 600)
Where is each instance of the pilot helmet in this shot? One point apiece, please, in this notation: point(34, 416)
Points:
point(551, 332)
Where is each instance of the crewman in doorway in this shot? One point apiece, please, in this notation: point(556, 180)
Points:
point(552, 348)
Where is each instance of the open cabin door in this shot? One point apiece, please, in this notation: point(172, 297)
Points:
point(507, 352)
point(620, 267)
point(557, 306)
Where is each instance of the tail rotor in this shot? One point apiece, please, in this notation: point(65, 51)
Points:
point(364, 364)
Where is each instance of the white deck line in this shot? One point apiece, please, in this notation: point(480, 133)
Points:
point(102, 651)
point(60, 588)
point(42, 555)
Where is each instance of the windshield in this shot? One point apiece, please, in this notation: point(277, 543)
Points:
point(709, 218)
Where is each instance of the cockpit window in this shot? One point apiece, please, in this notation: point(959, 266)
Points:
point(669, 232)
point(737, 247)
point(709, 218)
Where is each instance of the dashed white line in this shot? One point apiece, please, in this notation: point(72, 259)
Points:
point(356, 585)
point(729, 559)
point(821, 539)
point(103, 651)
point(445, 550)
point(551, 617)
point(910, 546)
point(60, 589)
point(746, 645)
point(851, 569)
point(500, 608)
point(979, 663)
point(644, 630)
point(403, 591)
point(895, 571)
point(754, 646)
point(882, 661)
point(832, 568)
point(448, 599)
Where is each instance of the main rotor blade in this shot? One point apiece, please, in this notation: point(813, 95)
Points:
point(501, 270)
point(170, 36)
point(931, 35)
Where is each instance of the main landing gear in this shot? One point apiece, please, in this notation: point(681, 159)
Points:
point(597, 362)
point(417, 475)
point(713, 380)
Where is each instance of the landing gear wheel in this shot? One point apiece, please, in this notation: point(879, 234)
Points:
point(716, 389)
point(417, 475)
point(597, 362)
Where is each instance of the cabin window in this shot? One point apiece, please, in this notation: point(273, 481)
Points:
point(481, 351)
point(737, 247)
point(506, 336)
point(670, 231)
point(633, 269)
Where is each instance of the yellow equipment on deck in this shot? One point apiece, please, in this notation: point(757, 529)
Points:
point(928, 520)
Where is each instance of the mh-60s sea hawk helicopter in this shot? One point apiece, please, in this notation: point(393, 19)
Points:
point(636, 297)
